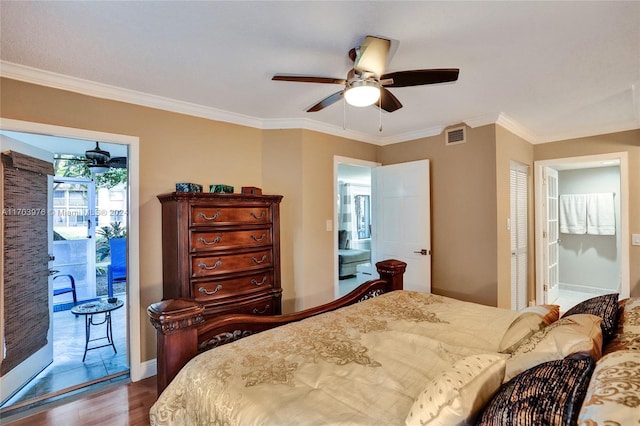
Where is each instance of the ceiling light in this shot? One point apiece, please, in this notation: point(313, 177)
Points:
point(361, 93)
point(98, 168)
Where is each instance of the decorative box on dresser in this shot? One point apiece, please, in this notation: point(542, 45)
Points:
point(222, 251)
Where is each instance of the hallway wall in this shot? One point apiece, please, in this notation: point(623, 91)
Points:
point(591, 262)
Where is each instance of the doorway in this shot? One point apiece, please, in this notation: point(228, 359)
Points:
point(81, 216)
point(353, 226)
point(587, 263)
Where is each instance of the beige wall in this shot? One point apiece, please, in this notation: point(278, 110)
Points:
point(176, 148)
point(510, 147)
point(299, 164)
point(602, 144)
point(463, 221)
point(469, 196)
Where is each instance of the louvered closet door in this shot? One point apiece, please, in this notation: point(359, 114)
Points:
point(519, 179)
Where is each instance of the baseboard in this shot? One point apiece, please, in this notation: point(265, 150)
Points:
point(145, 369)
point(585, 289)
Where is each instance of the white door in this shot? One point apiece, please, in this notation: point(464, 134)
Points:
point(518, 223)
point(401, 219)
point(31, 361)
point(550, 235)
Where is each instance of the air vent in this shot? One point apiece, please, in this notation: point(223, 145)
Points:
point(455, 136)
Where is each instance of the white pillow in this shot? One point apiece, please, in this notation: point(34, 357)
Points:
point(458, 393)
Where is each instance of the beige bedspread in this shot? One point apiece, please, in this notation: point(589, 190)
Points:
point(362, 365)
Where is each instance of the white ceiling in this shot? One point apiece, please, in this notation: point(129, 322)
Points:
point(545, 70)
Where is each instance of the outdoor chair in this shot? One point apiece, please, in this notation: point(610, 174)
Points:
point(117, 270)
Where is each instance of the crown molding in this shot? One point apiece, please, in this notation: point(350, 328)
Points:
point(105, 91)
point(90, 88)
point(307, 124)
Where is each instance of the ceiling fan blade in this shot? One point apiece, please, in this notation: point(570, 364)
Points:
point(118, 162)
point(371, 56)
point(329, 100)
point(308, 79)
point(420, 77)
point(388, 101)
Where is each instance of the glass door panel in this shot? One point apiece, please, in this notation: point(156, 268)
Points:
point(74, 234)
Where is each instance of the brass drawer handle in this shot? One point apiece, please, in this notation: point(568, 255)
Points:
point(257, 311)
point(208, 243)
point(258, 239)
point(205, 217)
point(203, 265)
point(263, 214)
point(254, 282)
point(264, 257)
point(215, 290)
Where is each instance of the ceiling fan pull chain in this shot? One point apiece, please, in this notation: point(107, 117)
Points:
point(380, 116)
point(344, 114)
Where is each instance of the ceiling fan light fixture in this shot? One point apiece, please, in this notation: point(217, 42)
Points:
point(98, 168)
point(362, 93)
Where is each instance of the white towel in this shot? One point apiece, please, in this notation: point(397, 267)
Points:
point(573, 213)
point(601, 218)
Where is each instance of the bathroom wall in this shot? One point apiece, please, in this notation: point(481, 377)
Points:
point(590, 263)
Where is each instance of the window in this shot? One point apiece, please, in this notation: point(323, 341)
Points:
point(363, 216)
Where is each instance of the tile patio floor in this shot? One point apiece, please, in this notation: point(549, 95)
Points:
point(67, 369)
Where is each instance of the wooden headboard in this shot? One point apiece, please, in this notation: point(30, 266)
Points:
point(184, 331)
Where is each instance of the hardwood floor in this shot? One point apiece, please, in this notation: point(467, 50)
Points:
point(121, 405)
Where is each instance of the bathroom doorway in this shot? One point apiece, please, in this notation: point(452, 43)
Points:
point(581, 263)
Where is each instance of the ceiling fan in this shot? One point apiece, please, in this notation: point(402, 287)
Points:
point(100, 160)
point(366, 83)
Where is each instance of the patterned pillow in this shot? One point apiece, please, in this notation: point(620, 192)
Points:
point(613, 395)
point(547, 394)
point(579, 333)
point(627, 336)
point(605, 307)
point(459, 392)
point(520, 329)
point(549, 313)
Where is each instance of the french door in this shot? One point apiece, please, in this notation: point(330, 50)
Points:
point(74, 223)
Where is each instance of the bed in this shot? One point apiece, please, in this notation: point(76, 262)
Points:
point(383, 355)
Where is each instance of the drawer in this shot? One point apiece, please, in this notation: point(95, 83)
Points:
point(223, 288)
point(210, 216)
point(267, 305)
point(211, 240)
point(207, 265)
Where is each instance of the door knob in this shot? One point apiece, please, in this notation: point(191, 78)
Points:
point(423, 252)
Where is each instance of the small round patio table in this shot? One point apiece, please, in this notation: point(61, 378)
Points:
point(88, 310)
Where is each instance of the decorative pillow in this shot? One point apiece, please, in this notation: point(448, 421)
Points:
point(605, 307)
point(520, 329)
point(579, 333)
point(613, 395)
point(548, 394)
point(549, 313)
point(459, 392)
point(627, 336)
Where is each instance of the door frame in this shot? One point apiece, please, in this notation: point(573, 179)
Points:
point(622, 157)
point(138, 370)
point(332, 227)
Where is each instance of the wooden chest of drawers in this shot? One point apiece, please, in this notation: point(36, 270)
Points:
point(223, 251)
